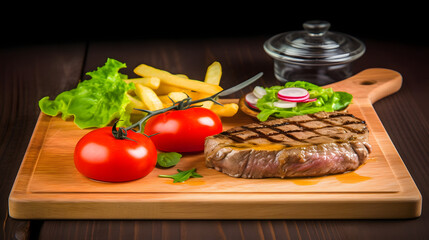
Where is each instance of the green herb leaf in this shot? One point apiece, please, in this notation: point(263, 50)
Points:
point(182, 175)
point(94, 102)
point(169, 159)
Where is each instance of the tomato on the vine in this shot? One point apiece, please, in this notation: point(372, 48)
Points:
point(101, 156)
point(183, 130)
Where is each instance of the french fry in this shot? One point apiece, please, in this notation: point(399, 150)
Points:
point(182, 75)
point(192, 94)
point(176, 81)
point(205, 104)
point(148, 97)
point(165, 89)
point(135, 103)
point(227, 110)
point(214, 73)
point(151, 82)
point(175, 96)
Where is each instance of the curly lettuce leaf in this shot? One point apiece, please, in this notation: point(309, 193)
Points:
point(94, 102)
point(327, 100)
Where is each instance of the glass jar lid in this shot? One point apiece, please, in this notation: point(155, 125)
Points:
point(315, 45)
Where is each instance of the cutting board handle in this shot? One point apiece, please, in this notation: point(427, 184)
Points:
point(373, 84)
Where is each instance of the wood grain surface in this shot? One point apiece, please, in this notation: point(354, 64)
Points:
point(29, 73)
point(49, 186)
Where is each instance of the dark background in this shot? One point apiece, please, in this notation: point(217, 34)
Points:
point(40, 23)
point(395, 35)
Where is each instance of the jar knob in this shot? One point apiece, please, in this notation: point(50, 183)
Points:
point(316, 28)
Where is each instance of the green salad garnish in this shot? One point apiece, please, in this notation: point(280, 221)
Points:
point(327, 100)
point(94, 102)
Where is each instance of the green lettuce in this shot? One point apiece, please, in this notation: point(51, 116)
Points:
point(327, 100)
point(94, 102)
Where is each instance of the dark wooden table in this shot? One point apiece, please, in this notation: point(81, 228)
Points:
point(30, 72)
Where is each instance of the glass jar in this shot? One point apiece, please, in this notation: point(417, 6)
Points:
point(314, 55)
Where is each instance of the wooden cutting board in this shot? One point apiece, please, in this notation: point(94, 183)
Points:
point(48, 186)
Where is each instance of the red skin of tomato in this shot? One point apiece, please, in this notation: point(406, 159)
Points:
point(183, 130)
point(100, 156)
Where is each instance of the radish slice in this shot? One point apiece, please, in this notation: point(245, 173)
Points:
point(293, 99)
point(251, 100)
point(293, 94)
point(259, 92)
point(284, 104)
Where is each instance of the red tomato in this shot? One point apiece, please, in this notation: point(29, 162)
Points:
point(183, 130)
point(100, 156)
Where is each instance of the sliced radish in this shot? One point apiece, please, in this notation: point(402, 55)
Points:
point(293, 95)
point(303, 99)
point(251, 100)
point(284, 104)
point(259, 92)
point(293, 92)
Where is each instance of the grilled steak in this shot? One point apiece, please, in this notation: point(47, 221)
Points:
point(301, 146)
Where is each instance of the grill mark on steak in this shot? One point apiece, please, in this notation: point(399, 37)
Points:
point(309, 139)
point(302, 128)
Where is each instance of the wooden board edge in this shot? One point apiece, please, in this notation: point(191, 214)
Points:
point(409, 189)
point(266, 206)
point(29, 160)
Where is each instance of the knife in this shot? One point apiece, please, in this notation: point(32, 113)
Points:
point(240, 86)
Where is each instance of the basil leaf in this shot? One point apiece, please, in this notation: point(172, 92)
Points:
point(182, 176)
point(167, 160)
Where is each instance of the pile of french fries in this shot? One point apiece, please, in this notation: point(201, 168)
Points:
point(156, 88)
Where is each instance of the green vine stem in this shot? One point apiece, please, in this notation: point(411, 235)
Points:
point(180, 105)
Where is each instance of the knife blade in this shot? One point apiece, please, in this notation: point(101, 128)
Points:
point(240, 86)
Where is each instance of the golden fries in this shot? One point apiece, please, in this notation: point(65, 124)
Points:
point(165, 89)
point(182, 75)
point(227, 110)
point(151, 82)
point(148, 97)
point(213, 74)
point(172, 96)
point(158, 89)
point(176, 81)
point(135, 103)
